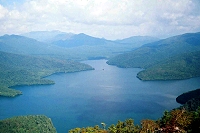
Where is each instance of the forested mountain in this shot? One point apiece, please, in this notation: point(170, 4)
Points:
point(80, 40)
point(23, 45)
point(157, 53)
point(27, 70)
point(182, 66)
point(27, 124)
point(83, 47)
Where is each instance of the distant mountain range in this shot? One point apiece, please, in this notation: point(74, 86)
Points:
point(80, 40)
point(73, 40)
point(163, 54)
point(138, 40)
point(48, 36)
point(69, 46)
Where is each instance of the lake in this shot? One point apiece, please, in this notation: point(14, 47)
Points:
point(106, 94)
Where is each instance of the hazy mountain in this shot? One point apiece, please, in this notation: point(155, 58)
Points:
point(137, 40)
point(152, 53)
point(23, 45)
point(80, 40)
point(73, 40)
point(48, 36)
point(59, 45)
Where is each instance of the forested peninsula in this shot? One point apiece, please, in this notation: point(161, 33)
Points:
point(168, 59)
point(19, 69)
point(27, 124)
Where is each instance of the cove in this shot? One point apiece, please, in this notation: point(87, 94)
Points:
point(106, 94)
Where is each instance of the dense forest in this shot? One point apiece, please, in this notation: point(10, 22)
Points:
point(171, 58)
point(179, 67)
point(27, 124)
point(27, 70)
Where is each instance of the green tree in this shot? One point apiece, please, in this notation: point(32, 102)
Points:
point(149, 126)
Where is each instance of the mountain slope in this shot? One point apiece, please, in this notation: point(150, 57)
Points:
point(23, 45)
point(152, 53)
point(27, 70)
point(82, 46)
point(80, 40)
point(179, 67)
point(48, 36)
point(138, 40)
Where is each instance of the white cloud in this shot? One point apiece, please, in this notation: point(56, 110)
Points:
point(3, 12)
point(105, 18)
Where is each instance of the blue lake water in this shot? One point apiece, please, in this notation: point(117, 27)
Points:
point(106, 94)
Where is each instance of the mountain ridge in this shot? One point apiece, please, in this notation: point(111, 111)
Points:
point(151, 54)
point(86, 47)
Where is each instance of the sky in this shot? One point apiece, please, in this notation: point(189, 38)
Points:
point(110, 19)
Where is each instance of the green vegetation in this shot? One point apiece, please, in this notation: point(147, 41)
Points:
point(163, 59)
point(180, 67)
point(192, 104)
point(190, 100)
point(27, 70)
point(27, 124)
point(177, 120)
point(185, 97)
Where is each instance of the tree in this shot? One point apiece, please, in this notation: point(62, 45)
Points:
point(149, 126)
point(176, 120)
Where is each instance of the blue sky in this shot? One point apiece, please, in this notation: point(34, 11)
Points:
point(111, 19)
point(8, 3)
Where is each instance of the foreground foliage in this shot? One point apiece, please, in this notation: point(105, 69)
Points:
point(177, 120)
point(27, 124)
point(185, 119)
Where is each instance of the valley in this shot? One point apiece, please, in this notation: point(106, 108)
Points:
point(77, 79)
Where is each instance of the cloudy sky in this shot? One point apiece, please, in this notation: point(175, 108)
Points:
point(110, 19)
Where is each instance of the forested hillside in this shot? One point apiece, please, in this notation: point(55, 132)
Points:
point(164, 55)
point(27, 124)
point(22, 45)
point(27, 70)
point(155, 52)
point(179, 67)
